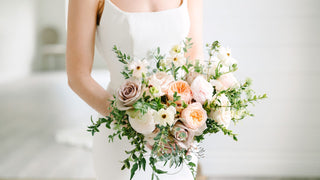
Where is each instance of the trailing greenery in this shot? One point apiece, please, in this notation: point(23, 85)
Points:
point(165, 150)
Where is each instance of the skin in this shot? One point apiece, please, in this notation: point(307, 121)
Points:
point(82, 17)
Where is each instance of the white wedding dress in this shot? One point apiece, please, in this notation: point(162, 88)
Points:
point(137, 34)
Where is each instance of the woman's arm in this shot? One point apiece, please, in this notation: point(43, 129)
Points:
point(82, 16)
point(195, 8)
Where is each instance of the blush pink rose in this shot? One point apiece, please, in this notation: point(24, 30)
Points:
point(194, 116)
point(201, 89)
point(225, 81)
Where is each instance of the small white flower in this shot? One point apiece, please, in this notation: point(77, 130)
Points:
point(138, 67)
point(224, 54)
point(176, 49)
point(177, 60)
point(165, 116)
point(214, 64)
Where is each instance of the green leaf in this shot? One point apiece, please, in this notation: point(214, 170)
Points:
point(185, 69)
point(191, 164)
point(143, 160)
point(133, 170)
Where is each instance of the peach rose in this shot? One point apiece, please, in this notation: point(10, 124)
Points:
point(194, 116)
point(183, 90)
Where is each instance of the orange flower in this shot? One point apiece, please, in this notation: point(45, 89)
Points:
point(194, 116)
point(183, 90)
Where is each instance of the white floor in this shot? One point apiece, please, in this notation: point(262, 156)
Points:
point(33, 110)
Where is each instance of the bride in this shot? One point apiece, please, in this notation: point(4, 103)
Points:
point(137, 27)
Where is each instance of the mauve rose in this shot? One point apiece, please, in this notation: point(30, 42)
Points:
point(128, 93)
point(183, 135)
point(201, 89)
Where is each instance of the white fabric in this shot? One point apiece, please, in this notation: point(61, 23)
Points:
point(137, 34)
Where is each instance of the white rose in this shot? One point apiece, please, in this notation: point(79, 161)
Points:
point(222, 115)
point(201, 89)
point(225, 81)
point(165, 116)
point(143, 124)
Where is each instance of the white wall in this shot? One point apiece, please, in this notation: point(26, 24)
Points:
point(54, 14)
point(17, 38)
point(276, 43)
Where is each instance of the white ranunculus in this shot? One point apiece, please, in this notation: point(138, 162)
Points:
point(225, 81)
point(165, 116)
point(143, 124)
point(201, 89)
point(222, 115)
point(138, 67)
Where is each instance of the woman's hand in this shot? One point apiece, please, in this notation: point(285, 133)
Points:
point(81, 28)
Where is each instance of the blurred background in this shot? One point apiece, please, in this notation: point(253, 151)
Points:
point(43, 123)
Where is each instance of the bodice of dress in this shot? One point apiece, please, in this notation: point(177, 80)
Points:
point(138, 34)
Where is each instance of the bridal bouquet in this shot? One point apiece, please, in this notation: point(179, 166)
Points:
point(170, 107)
